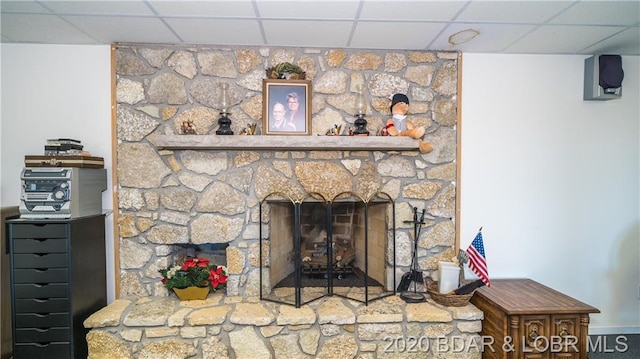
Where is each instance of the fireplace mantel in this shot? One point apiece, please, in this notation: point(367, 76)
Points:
point(286, 143)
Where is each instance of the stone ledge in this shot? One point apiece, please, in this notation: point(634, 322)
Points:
point(218, 308)
point(287, 143)
point(233, 327)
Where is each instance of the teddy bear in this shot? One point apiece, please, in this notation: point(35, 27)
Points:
point(398, 125)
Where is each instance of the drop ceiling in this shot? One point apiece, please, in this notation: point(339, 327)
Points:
point(476, 26)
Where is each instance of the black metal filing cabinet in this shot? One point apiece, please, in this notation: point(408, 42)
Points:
point(58, 279)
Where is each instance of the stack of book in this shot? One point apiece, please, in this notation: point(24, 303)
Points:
point(64, 152)
point(64, 147)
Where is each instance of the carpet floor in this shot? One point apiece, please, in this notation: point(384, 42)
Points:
point(623, 346)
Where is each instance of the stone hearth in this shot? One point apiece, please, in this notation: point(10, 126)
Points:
point(245, 328)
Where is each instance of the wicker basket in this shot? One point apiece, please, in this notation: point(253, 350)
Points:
point(449, 299)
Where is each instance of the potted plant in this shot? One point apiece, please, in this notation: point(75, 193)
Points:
point(194, 279)
point(286, 70)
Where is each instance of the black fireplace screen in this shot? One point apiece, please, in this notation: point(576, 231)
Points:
point(316, 248)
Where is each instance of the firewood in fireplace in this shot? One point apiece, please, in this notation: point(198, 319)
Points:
point(315, 248)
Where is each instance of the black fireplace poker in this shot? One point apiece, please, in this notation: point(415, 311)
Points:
point(415, 274)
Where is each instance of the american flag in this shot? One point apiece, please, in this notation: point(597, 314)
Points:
point(477, 259)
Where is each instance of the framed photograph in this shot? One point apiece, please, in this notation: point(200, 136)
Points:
point(286, 107)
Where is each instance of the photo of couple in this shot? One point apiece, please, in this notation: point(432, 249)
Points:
point(286, 110)
point(288, 118)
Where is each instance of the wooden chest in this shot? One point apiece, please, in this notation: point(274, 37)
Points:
point(526, 319)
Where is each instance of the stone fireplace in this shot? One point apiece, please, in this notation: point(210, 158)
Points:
point(174, 189)
point(179, 191)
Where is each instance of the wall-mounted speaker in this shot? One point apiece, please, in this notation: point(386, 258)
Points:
point(603, 76)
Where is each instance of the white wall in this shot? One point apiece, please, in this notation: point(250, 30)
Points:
point(554, 180)
point(53, 91)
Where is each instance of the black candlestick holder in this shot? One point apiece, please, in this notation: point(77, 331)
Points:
point(224, 125)
point(361, 125)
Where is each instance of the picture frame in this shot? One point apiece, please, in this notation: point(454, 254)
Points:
point(286, 107)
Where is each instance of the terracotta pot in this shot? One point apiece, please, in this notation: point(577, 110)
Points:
point(192, 293)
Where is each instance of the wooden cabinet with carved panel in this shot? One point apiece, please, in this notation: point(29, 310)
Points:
point(528, 320)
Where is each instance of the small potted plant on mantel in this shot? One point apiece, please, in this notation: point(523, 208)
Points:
point(194, 279)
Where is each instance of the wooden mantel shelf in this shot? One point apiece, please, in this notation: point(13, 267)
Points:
point(286, 143)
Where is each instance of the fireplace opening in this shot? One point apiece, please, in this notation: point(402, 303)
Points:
point(329, 248)
point(347, 241)
point(214, 252)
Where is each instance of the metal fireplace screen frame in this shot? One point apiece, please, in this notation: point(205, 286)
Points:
point(303, 295)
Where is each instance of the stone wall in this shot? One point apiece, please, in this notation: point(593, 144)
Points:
point(166, 198)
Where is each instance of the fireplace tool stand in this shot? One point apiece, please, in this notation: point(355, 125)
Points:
point(415, 274)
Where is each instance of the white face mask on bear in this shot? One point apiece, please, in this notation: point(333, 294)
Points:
point(399, 123)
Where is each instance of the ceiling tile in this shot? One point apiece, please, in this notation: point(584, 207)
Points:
point(296, 33)
point(33, 28)
point(411, 10)
point(383, 35)
point(22, 6)
point(98, 7)
point(623, 43)
point(217, 31)
point(204, 8)
point(491, 37)
point(109, 29)
point(335, 10)
point(601, 13)
point(512, 11)
point(581, 25)
point(555, 39)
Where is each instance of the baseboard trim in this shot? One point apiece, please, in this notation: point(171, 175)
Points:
point(602, 330)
